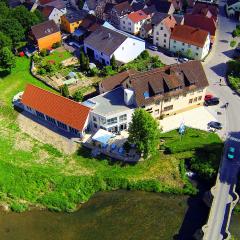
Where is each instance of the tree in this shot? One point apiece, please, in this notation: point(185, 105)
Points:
point(25, 17)
point(7, 59)
point(80, 4)
point(5, 41)
point(113, 63)
point(78, 96)
point(4, 10)
point(145, 54)
point(13, 29)
point(189, 53)
point(144, 132)
point(64, 90)
point(84, 61)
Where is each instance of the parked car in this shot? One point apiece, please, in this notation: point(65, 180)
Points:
point(183, 60)
point(230, 153)
point(152, 47)
point(212, 101)
point(216, 125)
point(169, 54)
point(208, 97)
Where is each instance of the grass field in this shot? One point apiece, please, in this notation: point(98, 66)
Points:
point(35, 173)
point(58, 56)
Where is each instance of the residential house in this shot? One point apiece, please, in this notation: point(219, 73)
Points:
point(59, 4)
point(162, 92)
point(202, 22)
point(111, 111)
point(103, 43)
point(118, 11)
point(163, 6)
point(133, 22)
point(51, 13)
point(233, 8)
point(179, 18)
point(146, 30)
point(189, 41)
point(45, 34)
point(71, 21)
point(115, 81)
point(60, 112)
point(90, 5)
point(207, 10)
point(163, 26)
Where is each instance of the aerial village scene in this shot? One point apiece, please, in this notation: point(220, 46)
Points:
point(119, 119)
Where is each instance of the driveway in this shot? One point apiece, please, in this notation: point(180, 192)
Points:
point(196, 118)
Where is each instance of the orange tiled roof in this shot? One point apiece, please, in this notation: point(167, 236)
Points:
point(60, 108)
point(189, 35)
point(137, 16)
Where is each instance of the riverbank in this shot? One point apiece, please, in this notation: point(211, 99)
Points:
point(36, 174)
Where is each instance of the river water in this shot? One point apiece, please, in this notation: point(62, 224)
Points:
point(118, 215)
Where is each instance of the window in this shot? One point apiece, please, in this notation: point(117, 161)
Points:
point(197, 48)
point(174, 46)
point(62, 125)
point(184, 94)
point(161, 28)
point(73, 130)
point(134, 44)
point(122, 48)
point(156, 38)
point(199, 98)
point(165, 45)
point(183, 44)
point(156, 112)
point(102, 120)
point(112, 121)
point(195, 99)
point(129, 29)
point(165, 35)
point(168, 108)
point(123, 118)
point(50, 119)
point(95, 125)
point(40, 114)
point(129, 24)
point(182, 49)
point(196, 54)
point(123, 22)
point(189, 45)
point(157, 33)
point(94, 119)
point(157, 102)
point(190, 100)
point(167, 100)
point(101, 53)
point(164, 40)
point(124, 27)
point(29, 108)
point(174, 41)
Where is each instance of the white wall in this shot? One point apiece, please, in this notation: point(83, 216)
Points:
point(129, 26)
point(56, 16)
point(161, 34)
point(129, 50)
point(198, 53)
point(106, 126)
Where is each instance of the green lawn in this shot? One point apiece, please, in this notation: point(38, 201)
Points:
point(58, 56)
point(33, 172)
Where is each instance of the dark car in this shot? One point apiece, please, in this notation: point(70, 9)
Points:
point(212, 101)
point(216, 125)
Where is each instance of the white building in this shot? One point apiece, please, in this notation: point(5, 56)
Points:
point(163, 25)
point(103, 43)
point(52, 13)
point(191, 42)
point(133, 21)
point(111, 111)
point(233, 8)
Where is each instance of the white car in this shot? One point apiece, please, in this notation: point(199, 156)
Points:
point(154, 48)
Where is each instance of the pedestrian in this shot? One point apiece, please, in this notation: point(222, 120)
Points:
point(220, 82)
point(226, 105)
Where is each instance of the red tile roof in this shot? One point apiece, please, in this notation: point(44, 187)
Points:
point(189, 35)
point(202, 22)
point(137, 16)
point(60, 108)
point(46, 11)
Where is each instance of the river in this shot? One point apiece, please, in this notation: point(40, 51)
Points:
point(118, 215)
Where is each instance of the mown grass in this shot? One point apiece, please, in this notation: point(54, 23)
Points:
point(32, 172)
point(58, 56)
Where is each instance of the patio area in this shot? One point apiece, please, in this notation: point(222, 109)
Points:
point(111, 145)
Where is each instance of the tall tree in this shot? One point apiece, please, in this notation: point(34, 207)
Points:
point(84, 61)
point(25, 17)
point(13, 29)
point(64, 90)
point(5, 41)
point(7, 59)
point(4, 10)
point(144, 132)
point(113, 62)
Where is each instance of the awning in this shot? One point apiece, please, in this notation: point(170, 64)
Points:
point(102, 136)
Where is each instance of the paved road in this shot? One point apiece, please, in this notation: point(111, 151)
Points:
point(215, 68)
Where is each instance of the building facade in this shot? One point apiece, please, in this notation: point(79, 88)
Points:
point(191, 42)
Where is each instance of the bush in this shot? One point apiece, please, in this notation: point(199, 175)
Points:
point(56, 45)
point(78, 96)
point(108, 71)
point(144, 55)
point(233, 43)
point(64, 90)
point(43, 52)
point(94, 71)
point(18, 207)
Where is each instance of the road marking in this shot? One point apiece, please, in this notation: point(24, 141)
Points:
point(234, 139)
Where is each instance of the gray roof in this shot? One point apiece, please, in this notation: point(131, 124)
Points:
point(44, 29)
point(158, 17)
point(178, 18)
point(75, 16)
point(105, 40)
point(231, 2)
point(109, 103)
